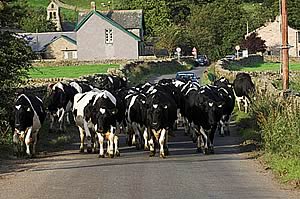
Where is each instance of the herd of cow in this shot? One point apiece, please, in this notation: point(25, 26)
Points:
point(146, 113)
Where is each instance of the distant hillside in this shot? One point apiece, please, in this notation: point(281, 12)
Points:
point(70, 15)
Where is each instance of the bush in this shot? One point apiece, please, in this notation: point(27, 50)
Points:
point(279, 120)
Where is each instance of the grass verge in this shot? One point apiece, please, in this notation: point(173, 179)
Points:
point(267, 66)
point(69, 71)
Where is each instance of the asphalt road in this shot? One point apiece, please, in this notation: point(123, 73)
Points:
point(229, 173)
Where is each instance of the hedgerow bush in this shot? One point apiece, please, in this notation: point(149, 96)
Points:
point(279, 120)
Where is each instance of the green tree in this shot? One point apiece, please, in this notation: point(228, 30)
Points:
point(15, 58)
point(36, 21)
point(217, 27)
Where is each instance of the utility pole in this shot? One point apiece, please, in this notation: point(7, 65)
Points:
point(285, 47)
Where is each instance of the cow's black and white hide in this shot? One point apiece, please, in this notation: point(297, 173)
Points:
point(106, 112)
point(29, 117)
point(226, 93)
point(243, 88)
point(108, 82)
point(83, 119)
point(135, 116)
point(161, 115)
point(60, 101)
point(204, 112)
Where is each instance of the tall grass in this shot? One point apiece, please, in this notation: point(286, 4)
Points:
point(279, 121)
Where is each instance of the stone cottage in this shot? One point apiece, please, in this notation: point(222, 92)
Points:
point(271, 33)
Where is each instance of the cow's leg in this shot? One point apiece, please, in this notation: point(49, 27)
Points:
point(186, 126)
point(226, 128)
point(116, 144)
point(68, 110)
point(151, 145)
point(211, 139)
point(238, 101)
point(205, 140)
point(110, 144)
point(145, 135)
point(246, 104)
point(34, 139)
point(88, 136)
point(61, 114)
point(199, 149)
point(166, 148)
point(222, 125)
point(52, 120)
point(28, 141)
point(192, 130)
point(81, 133)
point(161, 143)
point(136, 135)
point(101, 142)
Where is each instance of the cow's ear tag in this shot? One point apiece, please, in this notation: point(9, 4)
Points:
point(220, 106)
point(143, 102)
point(18, 107)
point(229, 86)
point(211, 104)
point(28, 109)
point(165, 107)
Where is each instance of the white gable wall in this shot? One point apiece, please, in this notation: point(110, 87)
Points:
point(91, 42)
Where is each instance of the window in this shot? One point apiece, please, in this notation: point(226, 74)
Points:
point(50, 15)
point(298, 37)
point(54, 15)
point(108, 36)
point(52, 5)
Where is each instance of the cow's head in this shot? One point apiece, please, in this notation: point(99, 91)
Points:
point(214, 111)
point(104, 113)
point(23, 118)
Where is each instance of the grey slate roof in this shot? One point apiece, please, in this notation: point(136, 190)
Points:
point(129, 19)
point(38, 41)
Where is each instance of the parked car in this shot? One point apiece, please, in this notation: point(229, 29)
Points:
point(201, 60)
point(185, 76)
point(230, 57)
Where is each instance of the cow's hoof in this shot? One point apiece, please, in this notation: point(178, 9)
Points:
point(81, 150)
point(206, 151)
point(111, 155)
point(152, 154)
point(211, 150)
point(89, 150)
point(96, 151)
point(146, 148)
point(101, 156)
point(227, 133)
point(118, 154)
point(222, 135)
point(199, 150)
point(137, 146)
point(166, 152)
point(162, 155)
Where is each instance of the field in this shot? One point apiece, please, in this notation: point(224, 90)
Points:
point(79, 3)
point(268, 66)
point(69, 71)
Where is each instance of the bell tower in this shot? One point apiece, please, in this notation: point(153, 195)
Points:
point(53, 14)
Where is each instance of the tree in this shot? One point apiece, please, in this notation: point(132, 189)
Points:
point(254, 44)
point(15, 57)
point(36, 21)
point(217, 27)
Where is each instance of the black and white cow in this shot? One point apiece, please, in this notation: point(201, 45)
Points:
point(60, 100)
point(135, 116)
point(108, 82)
point(204, 110)
point(98, 112)
point(243, 88)
point(86, 127)
point(226, 93)
point(161, 115)
point(29, 117)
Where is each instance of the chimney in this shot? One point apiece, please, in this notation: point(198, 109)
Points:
point(93, 5)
